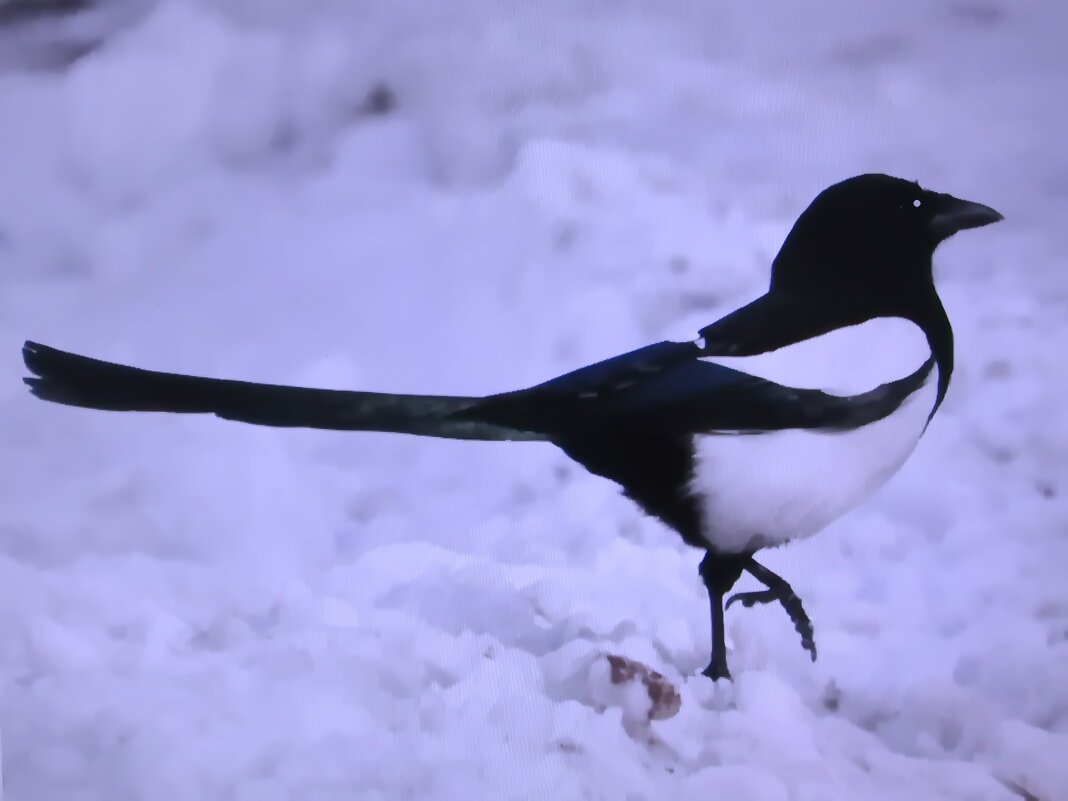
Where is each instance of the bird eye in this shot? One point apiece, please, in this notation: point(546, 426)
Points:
point(917, 203)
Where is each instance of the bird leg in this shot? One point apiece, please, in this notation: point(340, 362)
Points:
point(719, 573)
point(778, 590)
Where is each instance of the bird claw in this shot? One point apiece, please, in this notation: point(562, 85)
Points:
point(751, 599)
point(778, 589)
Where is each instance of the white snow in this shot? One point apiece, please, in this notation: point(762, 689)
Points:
point(192, 609)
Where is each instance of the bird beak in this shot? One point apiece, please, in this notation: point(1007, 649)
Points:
point(954, 214)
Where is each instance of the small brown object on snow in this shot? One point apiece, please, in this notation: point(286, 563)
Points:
point(665, 699)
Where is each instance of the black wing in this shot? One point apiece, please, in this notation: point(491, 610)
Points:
point(668, 388)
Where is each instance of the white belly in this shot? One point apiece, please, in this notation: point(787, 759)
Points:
point(758, 490)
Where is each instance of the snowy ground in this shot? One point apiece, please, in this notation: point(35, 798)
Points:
point(464, 198)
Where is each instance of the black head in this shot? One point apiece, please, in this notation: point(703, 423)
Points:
point(862, 249)
point(871, 233)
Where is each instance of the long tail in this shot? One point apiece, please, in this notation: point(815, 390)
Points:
point(75, 380)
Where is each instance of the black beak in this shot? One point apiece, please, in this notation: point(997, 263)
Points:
point(954, 214)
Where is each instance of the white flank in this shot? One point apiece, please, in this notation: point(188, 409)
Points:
point(766, 489)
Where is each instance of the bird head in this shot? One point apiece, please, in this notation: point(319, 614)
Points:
point(872, 232)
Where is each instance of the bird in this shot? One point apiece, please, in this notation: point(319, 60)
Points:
point(773, 422)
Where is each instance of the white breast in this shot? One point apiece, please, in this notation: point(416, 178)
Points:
point(765, 489)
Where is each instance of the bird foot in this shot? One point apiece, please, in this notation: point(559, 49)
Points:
point(778, 589)
point(716, 672)
point(751, 599)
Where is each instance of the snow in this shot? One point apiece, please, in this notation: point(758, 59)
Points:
point(195, 609)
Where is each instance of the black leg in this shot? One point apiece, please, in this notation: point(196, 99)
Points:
point(719, 574)
point(778, 590)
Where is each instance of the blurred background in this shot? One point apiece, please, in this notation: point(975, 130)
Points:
point(466, 198)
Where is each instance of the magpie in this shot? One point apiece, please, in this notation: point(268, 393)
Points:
point(776, 420)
